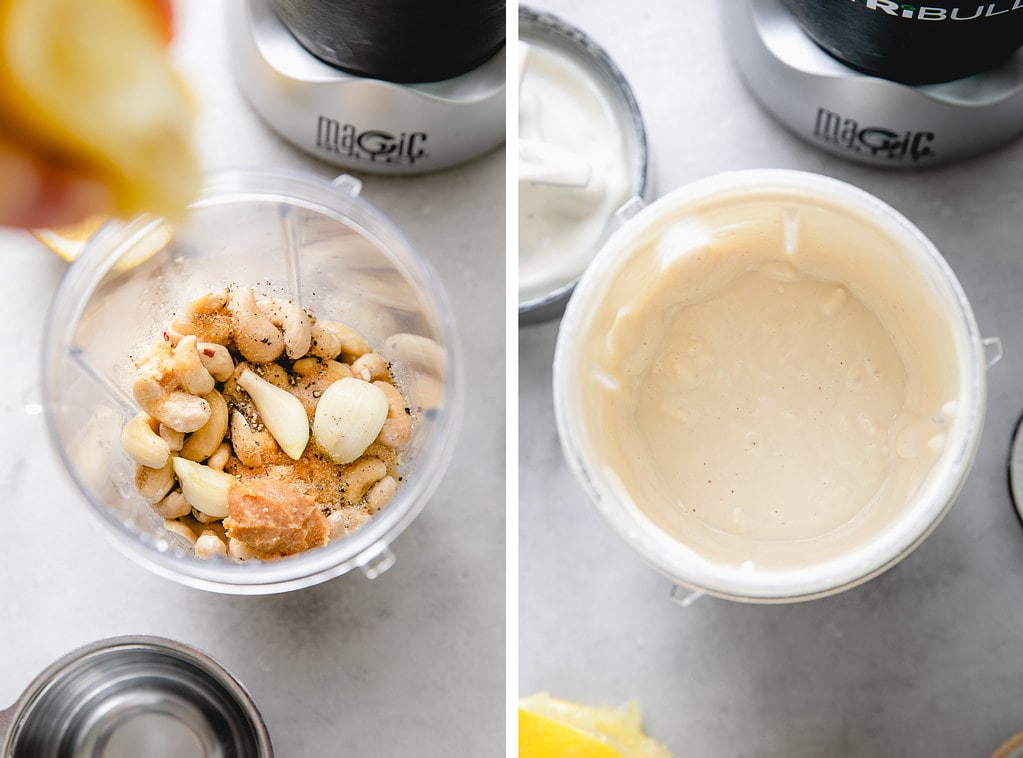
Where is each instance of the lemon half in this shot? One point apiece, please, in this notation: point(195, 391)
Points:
point(90, 85)
point(554, 728)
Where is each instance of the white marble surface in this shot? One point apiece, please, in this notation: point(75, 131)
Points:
point(926, 660)
point(394, 667)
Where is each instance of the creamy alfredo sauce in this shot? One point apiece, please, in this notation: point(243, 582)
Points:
point(769, 385)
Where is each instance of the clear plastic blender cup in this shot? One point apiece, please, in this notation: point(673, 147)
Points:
point(286, 234)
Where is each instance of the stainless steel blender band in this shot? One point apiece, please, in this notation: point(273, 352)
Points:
point(865, 118)
point(132, 696)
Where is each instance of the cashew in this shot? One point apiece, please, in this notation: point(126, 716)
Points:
point(244, 442)
point(397, 429)
point(209, 545)
point(292, 320)
point(188, 369)
point(202, 518)
point(348, 418)
point(239, 550)
point(323, 343)
point(182, 530)
point(381, 493)
point(203, 442)
point(174, 439)
point(154, 483)
point(178, 410)
point(281, 412)
point(362, 475)
point(345, 521)
point(205, 488)
point(216, 359)
point(254, 334)
point(335, 371)
point(306, 367)
point(351, 342)
point(370, 367)
point(220, 457)
point(206, 318)
point(175, 505)
point(141, 441)
point(418, 353)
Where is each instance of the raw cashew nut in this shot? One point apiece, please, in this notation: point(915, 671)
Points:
point(174, 439)
point(203, 442)
point(220, 457)
point(323, 342)
point(209, 545)
point(370, 367)
point(381, 493)
point(255, 336)
point(335, 371)
point(178, 410)
point(362, 475)
point(244, 442)
point(188, 369)
point(306, 367)
point(173, 506)
point(216, 359)
point(141, 440)
point(351, 342)
point(154, 483)
point(292, 320)
point(397, 429)
point(206, 318)
point(176, 527)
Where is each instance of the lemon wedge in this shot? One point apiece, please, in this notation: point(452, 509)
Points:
point(554, 728)
point(69, 241)
point(90, 86)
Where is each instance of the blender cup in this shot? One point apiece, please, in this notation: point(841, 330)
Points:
point(286, 234)
point(825, 226)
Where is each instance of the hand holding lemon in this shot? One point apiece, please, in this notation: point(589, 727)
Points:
point(93, 117)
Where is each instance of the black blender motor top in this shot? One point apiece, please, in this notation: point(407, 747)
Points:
point(402, 41)
point(914, 44)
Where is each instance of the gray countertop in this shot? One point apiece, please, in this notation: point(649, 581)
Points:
point(412, 663)
point(927, 659)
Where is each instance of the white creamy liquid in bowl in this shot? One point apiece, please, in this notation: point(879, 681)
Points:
point(771, 384)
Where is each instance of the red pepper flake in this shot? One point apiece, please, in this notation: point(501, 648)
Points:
point(208, 352)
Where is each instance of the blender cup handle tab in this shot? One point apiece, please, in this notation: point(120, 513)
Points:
point(992, 350)
point(684, 596)
point(376, 560)
point(629, 208)
point(348, 184)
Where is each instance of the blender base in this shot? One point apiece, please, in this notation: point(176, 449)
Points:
point(861, 117)
point(358, 123)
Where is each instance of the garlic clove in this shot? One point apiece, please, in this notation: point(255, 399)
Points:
point(349, 416)
point(204, 488)
point(282, 413)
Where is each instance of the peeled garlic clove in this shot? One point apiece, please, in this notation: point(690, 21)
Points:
point(348, 418)
point(282, 413)
point(204, 488)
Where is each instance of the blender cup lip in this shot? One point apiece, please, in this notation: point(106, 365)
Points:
point(339, 200)
point(927, 508)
